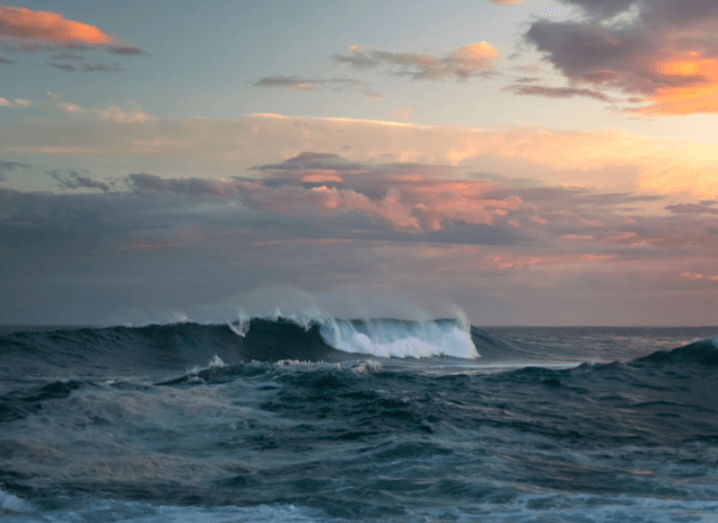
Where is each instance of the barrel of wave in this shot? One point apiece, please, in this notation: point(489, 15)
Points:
point(400, 338)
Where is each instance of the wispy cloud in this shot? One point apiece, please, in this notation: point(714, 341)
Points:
point(664, 52)
point(404, 114)
point(132, 112)
point(469, 61)
point(318, 84)
point(556, 92)
point(702, 207)
point(87, 68)
point(18, 102)
point(69, 180)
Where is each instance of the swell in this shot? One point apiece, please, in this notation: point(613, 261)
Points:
point(182, 345)
point(97, 351)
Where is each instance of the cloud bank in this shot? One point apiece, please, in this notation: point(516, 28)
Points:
point(519, 225)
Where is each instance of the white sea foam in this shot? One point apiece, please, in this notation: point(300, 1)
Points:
point(396, 339)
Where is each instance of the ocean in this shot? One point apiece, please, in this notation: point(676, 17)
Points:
point(274, 420)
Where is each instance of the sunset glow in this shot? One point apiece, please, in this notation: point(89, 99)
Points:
point(504, 155)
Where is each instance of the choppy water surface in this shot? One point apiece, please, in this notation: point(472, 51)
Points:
point(358, 421)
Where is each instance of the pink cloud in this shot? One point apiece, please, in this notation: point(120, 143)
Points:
point(48, 27)
point(26, 26)
point(321, 177)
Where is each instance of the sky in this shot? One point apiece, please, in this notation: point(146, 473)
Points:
point(536, 162)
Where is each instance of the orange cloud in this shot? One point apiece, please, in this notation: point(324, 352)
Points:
point(699, 96)
point(48, 27)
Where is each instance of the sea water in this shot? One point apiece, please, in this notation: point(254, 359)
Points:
point(347, 420)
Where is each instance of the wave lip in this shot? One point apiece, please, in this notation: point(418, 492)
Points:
point(391, 338)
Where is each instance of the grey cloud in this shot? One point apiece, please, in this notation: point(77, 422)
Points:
point(317, 84)
point(68, 57)
point(306, 84)
point(599, 50)
point(461, 65)
point(23, 46)
point(6, 167)
point(104, 68)
point(125, 50)
point(526, 79)
point(286, 82)
point(148, 183)
point(62, 67)
point(87, 68)
point(5, 61)
point(589, 52)
point(312, 160)
point(69, 179)
point(603, 9)
point(703, 207)
point(171, 244)
point(556, 92)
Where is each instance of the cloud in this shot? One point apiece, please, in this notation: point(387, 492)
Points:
point(27, 29)
point(327, 185)
point(69, 179)
point(87, 68)
point(318, 84)
point(6, 167)
point(556, 92)
point(373, 95)
point(48, 27)
point(132, 112)
point(474, 60)
point(125, 50)
point(287, 82)
point(5, 61)
point(664, 52)
point(18, 102)
point(703, 207)
point(150, 184)
point(604, 160)
point(320, 221)
point(509, 2)
point(404, 114)
point(105, 68)
point(63, 67)
point(71, 57)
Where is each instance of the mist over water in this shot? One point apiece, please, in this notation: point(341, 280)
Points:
point(273, 419)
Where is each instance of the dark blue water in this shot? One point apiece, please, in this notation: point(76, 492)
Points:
point(358, 421)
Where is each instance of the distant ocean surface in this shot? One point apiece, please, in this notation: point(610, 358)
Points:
point(271, 420)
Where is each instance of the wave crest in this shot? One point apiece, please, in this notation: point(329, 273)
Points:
point(399, 338)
